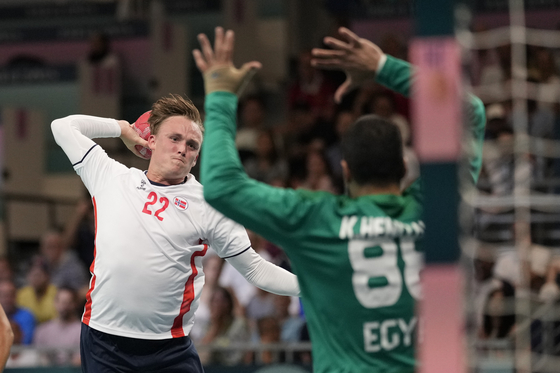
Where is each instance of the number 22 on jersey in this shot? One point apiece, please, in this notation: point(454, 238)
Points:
point(377, 279)
point(152, 200)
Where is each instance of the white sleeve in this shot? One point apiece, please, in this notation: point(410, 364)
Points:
point(74, 133)
point(264, 274)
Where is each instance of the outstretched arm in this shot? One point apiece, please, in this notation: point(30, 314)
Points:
point(264, 274)
point(362, 61)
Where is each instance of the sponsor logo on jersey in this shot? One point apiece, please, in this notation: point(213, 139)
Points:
point(142, 185)
point(181, 203)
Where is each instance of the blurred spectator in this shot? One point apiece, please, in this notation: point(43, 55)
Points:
point(498, 160)
point(24, 318)
point(343, 121)
point(318, 175)
point(212, 266)
point(290, 325)
point(100, 53)
point(484, 281)
point(495, 70)
point(225, 329)
point(312, 89)
point(269, 332)
point(62, 332)
point(499, 312)
point(65, 269)
point(550, 291)
point(540, 257)
point(38, 296)
point(546, 74)
point(79, 232)
point(260, 306)
point(26, 358)
point(6, 272)
point(267, 165)
point(251, 122)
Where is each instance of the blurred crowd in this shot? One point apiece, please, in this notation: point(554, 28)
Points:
point(505, 282)
point(44, 296)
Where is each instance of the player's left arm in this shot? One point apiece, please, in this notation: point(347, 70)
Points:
point(269, 211)
point(263, 274)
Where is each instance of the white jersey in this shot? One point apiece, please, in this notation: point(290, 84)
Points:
point(149, 243)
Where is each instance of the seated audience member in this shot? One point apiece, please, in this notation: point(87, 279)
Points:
point(64, 266)
point(26, 358)
point(550, 291)
point(266, 165)
point(269, 332)
point(499, 312)
point(290, 325)
point(79, 232)
point(319, 175)
point(343, 121)
point(224, 329)
point(24, 318)
point(38, 295)
point(62, 332)
point(6, 272)
point(251, 121)
point(311, 88)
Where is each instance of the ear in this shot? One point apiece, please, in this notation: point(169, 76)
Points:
point(152, 142)
point(346, 174)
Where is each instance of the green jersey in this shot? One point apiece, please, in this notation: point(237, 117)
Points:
point(357, 259)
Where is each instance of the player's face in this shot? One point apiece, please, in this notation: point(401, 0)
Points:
point(175, 148)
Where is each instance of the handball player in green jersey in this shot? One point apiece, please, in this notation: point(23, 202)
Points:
point(357, 257)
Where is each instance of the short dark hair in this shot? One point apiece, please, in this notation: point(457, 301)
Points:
point(373, 150)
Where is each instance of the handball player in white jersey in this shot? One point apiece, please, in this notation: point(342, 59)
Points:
point(152, 230)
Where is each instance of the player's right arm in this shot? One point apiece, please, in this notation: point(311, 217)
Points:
point(74, 134)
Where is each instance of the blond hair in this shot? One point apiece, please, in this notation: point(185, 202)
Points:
point(173, 105)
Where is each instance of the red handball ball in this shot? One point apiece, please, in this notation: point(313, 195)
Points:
point(142, 128)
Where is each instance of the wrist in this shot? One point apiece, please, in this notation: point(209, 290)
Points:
point(123, 125)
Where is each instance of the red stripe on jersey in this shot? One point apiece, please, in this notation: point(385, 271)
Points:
point(188, 296)
point(87, 312)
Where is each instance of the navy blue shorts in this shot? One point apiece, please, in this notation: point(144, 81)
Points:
point(102, 352)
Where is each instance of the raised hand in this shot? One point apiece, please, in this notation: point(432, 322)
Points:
point(216, 65)
point(358, 57)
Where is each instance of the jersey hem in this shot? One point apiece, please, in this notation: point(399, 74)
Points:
point(124, 333)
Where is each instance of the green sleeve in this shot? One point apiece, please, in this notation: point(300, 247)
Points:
point(398, 76)
point(273, 212)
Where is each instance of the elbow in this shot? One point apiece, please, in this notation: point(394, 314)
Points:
point(8, 337)
point(60, 126)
